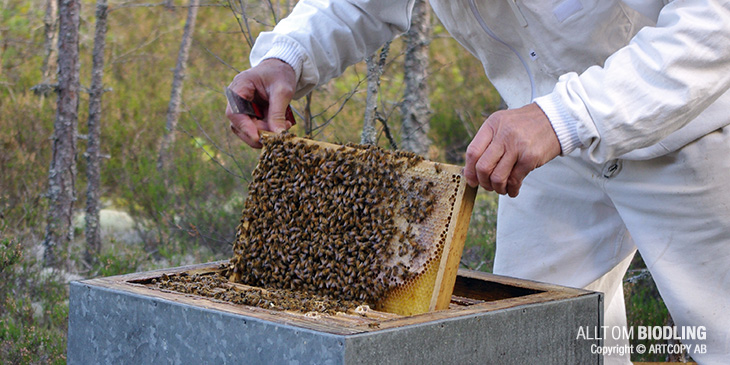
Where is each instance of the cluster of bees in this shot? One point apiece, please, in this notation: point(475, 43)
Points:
point(420, 200)
point(329, 221)
point(218, 287)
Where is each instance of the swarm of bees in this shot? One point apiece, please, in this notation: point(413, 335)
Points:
point(324, 229)
point(323, 220)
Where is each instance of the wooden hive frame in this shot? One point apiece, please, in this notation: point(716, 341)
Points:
point(442, 285)
point(443, 232)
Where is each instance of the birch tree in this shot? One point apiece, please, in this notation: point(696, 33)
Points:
point(93, 175)
point(62, 172)
point(415, 107)
point(173, 108)
point(375, 64)
point(51, 38)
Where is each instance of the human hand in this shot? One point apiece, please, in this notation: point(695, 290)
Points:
point(272, 80)
point(510, 144)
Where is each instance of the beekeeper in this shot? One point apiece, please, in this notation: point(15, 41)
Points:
point(632, 95)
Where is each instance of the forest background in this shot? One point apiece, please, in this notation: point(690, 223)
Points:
point(187, 211)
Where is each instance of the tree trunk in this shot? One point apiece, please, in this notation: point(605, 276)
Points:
point(51, 38)
point(62, 172)
point(375, 66)
point(416, 106)
point(173, 109)
point(93, 175)
point(369, 132)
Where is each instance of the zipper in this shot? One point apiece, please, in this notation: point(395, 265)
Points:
point(523, 22)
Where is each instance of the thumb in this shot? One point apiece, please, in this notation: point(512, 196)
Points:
point(279, 101)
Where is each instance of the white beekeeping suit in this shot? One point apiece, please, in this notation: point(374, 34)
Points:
point(636, 93)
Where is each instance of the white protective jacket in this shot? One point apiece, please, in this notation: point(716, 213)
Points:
point(628, 79)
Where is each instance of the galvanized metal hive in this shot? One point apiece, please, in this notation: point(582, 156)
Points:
point(355, 222)
point(491, 319)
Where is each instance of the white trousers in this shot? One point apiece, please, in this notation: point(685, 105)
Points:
point(579, 224)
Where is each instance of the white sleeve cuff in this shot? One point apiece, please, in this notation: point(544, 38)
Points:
point(564, 124)
point(287, 52)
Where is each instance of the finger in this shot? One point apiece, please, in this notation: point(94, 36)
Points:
point(519, 173)
point(502, 171)
point(279, 99)
point(234, 118)
point(513, 187)
point(246, 128)
point(250, 131)
point(239, 129)
point(486, 164)
point(475, 151)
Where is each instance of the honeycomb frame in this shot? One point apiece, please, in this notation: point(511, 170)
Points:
point(430, 250)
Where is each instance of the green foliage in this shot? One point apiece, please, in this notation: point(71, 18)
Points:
point(644, 306)
point(10, 254)
point(119, 262)
point(33, 311)
point(22, 344)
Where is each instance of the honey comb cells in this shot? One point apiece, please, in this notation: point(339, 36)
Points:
point(354, 222)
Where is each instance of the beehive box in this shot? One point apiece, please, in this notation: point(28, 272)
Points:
point(490, 319)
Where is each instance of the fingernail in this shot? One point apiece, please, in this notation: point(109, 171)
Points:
point(280, 127)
